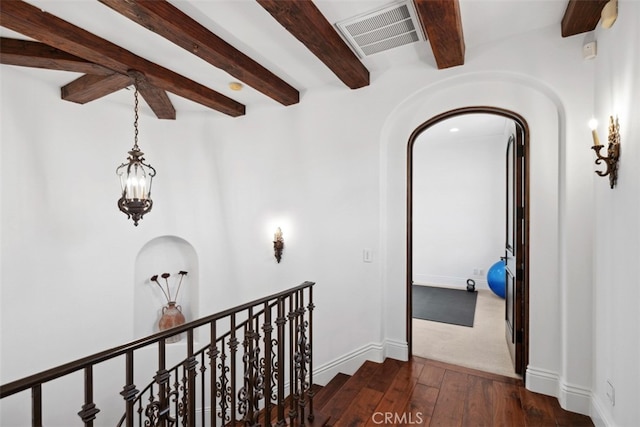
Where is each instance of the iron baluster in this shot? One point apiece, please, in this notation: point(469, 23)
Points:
point(36, 405)
point(223, 387)
point(301, 356)
point(203, 385)
point(249, 337)
point(279, 371)
point(129, 391)
point(233, 347)
point(180, 399)
point(310, 307)
point(250, 394)
point(275, 372)
point(140, 410)
point(244, 393)
point(162, 379)
point(293, 380)
point(190, 365)
point(152, 409)
point(213, 356)
point(267, 328)
point(258, 375)
point(176, 396)
point(89, 410)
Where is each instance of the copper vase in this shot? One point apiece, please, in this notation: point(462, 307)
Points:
point(171, 317)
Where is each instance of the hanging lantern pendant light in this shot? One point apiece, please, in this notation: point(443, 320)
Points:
point(135, 177)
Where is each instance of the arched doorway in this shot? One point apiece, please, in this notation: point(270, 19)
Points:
point(516, 218)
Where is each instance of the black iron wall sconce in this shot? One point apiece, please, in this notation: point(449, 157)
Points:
point(613, 150)
point(278, 244)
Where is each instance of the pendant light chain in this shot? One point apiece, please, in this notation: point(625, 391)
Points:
point(135, 122)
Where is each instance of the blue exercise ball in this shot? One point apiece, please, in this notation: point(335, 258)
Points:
point(496, 277)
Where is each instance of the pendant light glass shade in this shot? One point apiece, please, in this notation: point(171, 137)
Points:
point(135, 181)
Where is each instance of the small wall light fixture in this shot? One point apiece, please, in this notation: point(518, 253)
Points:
point(135, 175)
point(278, 244)
point(613, 150)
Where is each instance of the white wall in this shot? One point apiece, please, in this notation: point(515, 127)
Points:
point(330, 171)
point(616, 318)
point(458, 208)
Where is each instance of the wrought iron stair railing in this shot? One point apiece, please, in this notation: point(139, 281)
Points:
point(255, 370)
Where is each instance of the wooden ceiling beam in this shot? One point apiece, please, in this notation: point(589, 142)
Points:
point(156, 98)
point(98, 82)
point(91, 87)
point(171, 23)
point(442, 24)
point(581, 16)
point(27, 53)
point(306, 23)
point(39, 25)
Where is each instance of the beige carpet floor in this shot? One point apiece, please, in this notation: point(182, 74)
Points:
point(482, 347)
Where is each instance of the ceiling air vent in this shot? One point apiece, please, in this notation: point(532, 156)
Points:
point(383, 29)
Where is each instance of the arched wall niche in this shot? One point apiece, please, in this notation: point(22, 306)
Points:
point(164, 254)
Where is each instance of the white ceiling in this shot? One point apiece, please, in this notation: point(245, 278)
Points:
point(248, 27)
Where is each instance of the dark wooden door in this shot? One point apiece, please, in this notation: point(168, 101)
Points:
point(514, 249)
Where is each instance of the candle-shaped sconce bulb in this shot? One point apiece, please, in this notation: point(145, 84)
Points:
point(593, 124)
point(614, 128)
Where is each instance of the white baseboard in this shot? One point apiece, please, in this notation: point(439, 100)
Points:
point(571, 397)
point(575, 398)
point(348, 363)
point(542, 381)
point(396, 350)
point(598, 415)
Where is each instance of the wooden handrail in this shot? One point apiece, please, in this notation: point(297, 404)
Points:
point(80, 364)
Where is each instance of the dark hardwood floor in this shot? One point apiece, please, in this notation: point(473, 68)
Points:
point(423, 392)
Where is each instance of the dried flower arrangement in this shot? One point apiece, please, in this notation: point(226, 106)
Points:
point(167, 292)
